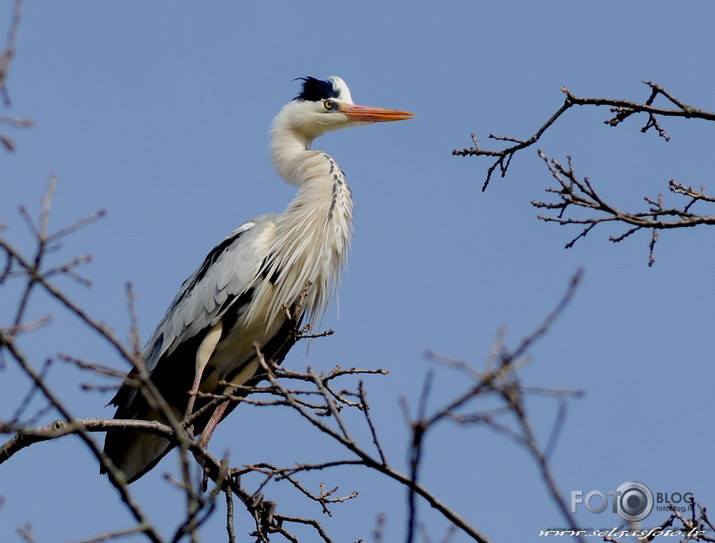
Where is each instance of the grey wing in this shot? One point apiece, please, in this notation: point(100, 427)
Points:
point(228, 271)
point(224, 280)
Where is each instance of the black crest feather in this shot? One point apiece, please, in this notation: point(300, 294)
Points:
point(315, 90)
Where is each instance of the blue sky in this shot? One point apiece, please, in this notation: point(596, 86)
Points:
point(158, 113)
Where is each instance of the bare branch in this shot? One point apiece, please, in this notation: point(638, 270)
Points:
point(499, 379)
point(5, 58)
point(621, 108)
point(342, 436)
point(574, 193)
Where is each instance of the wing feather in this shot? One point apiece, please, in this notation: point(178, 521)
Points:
point(229, 270)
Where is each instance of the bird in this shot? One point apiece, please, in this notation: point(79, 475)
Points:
point(270, 273)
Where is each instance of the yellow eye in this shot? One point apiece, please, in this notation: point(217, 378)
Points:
point(329, 104)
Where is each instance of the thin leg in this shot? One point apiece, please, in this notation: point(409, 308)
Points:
point(203, 354)
point(194, 391)
point(212, 423)
point(248, 370)
point(209, 430)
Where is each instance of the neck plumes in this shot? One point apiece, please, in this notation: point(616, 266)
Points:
point(313, 234)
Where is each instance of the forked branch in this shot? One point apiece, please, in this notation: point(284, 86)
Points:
point(621, 109)
point(574, 194)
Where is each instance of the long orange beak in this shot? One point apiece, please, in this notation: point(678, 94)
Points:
point(368, 114)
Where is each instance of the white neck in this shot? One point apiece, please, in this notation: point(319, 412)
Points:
point(313, 235)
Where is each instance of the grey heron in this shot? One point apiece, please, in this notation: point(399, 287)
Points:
point(239, 294)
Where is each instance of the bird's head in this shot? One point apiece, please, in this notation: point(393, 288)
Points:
point(325, 105)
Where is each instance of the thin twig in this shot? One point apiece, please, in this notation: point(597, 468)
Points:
point(574, 193)
point(622, 109)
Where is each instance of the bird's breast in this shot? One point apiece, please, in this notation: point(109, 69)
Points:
point(236, 350)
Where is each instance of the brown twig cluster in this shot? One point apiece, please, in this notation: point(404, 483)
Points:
point(500, 379)
point(622, 109)
point(5, 58)
point(694, 527)
point(574, 193)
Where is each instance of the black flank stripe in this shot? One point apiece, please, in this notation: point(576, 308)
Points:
point(235, 310)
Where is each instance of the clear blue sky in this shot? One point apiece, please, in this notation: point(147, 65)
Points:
point(158, 112)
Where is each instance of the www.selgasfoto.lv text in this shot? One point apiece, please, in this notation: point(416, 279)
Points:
point(616, 533)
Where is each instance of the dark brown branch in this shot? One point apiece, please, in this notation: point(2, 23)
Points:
point(342, 436)
point(115, 476)
point(37, 278)
point(621, 108)
point(216, 470)
point(500, 379)
point(5, 58)
point(108, 536)
point(574, 193)
point(503, 157)
point(24, 436)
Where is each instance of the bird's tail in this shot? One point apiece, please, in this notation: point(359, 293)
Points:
point(135, 452)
